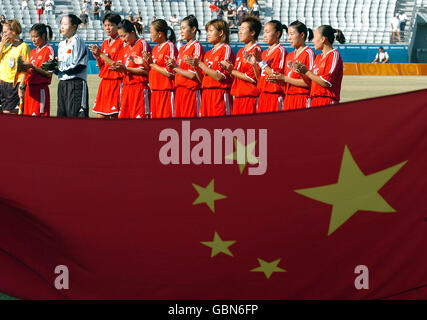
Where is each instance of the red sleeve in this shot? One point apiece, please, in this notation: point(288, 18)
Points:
point(226, 54)
point(332, 69)
point(250, 72)
point(278, 62)
point(100, 61)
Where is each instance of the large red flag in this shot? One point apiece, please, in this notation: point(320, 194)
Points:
point(326, 203)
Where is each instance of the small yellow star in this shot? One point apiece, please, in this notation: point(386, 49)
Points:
point(243, 155)
point(268, 267)
point(354, 191)
point(207, 195)
point(218, 245)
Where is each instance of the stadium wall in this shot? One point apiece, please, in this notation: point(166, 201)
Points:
point(352, 53)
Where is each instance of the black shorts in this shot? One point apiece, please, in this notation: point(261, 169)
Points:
point(9, 97)
point(73, 98)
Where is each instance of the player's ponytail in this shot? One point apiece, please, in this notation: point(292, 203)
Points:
point(329, 33)
point(310, 34)
point(302, 28)
point(43, 29)
point(171, 35)
point(340, 36)
point(161, 25)
point(126, 26)
point(139, 28)
point(278, 27)
point(192, 23)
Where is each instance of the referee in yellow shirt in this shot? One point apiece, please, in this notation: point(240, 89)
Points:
point(12, 85)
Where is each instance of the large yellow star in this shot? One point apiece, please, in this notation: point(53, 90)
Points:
point(268, 267)
point(219, 246)
point(353, 192)
point(243, 155)
point(207, 195)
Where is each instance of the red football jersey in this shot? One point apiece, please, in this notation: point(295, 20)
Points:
point(161, 53)
point(330, 69)
point(242, 88)
point(37, 57)
point(195, 50)
point(137, 47)
point(112, 51)
point(306, 56)
point(275, 59)
point(212, 59)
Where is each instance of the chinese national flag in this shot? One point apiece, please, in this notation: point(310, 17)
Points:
point(338, 214)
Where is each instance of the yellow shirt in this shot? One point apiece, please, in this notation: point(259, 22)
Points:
point(9, 61)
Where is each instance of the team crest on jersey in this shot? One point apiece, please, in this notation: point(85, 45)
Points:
point(216, 58)
point(69, 51)
point(39, 57)
point(160, 56)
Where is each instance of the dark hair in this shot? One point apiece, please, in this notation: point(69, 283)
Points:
point(381, 48)
point(43, 29)
point(161, 25)
point(278, 26)
point(126, 26)
point(302, 28)
point(192, 22)
point(329, 32)
point(75, 21)
point(254, 25)
point(220, 25)
point(112, 17)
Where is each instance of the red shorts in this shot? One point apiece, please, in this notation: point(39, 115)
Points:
point(244, 105)
point(321, 101)
point(215, 102)
point(135, 102)
point(162, 104)
point(270, 102)
point(108, 99)
point(37, 100)
point(295, 101)
point(187, 102)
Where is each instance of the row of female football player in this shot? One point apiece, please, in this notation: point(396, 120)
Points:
point(140, 82)
point(163, 82)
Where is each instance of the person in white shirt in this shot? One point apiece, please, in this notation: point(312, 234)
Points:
point(395, 27)
point(402, 18)
point(72, 67)
point(174, 21)
point(49, 6)
point(381, 57)
point(24, 4)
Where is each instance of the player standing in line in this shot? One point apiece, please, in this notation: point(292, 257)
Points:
point(187, 80)
point(217, 82)
point(37, 95)
point(135, 99)
point(12, 52)
point(107, 103)
point(161, 77)
point(73, 59)
point(297, 86)
point(244, 88)
point(327, 72)
point(271, 60)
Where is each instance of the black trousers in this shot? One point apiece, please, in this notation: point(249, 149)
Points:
point(9, 99)
point(73, 98)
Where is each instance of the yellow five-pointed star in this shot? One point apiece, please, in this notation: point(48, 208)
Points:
point(207, 195)
point(353, 192)
point(218, 245)
point(268, 267)
point(243, 155)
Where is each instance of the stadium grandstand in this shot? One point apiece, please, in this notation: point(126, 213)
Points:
point(362, 21)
